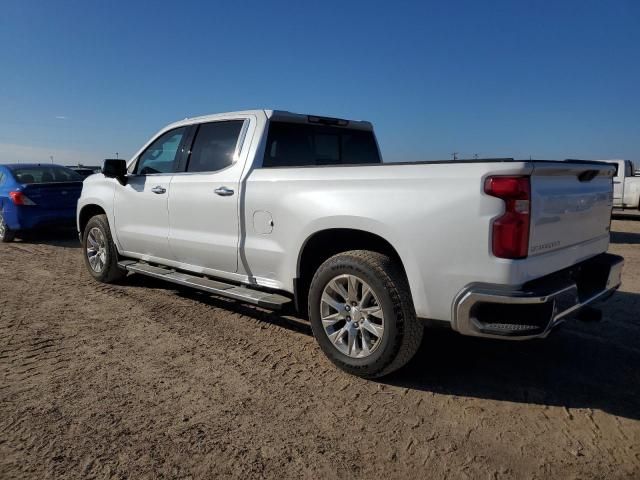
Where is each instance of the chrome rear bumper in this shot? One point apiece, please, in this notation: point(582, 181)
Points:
point(497, 311)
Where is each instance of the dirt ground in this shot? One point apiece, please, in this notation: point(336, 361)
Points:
point(142, 380)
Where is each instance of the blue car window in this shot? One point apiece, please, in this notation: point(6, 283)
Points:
point(45, 174)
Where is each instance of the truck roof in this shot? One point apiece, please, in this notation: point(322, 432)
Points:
point(277, 115)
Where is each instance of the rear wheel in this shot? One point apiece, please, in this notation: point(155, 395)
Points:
point(100, 253)
point(6, 235)
point(362, 314)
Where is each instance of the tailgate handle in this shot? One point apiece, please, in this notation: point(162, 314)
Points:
point(588, 175)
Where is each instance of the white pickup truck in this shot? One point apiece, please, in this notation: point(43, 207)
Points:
point(626, 185)
point(287, 210)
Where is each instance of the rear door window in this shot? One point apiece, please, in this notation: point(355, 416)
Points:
point(214, 146)
point(301, 145)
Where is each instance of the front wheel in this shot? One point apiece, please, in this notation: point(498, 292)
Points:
point(100, 253)
point(362, 314)
point(6, 235)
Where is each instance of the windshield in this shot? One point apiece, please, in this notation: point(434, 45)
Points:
point(45, 174)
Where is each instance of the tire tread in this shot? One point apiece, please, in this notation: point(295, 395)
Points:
point(410, 330)
point(9, 235)
point(112, 273)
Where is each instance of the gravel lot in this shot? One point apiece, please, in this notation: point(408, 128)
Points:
point(142, 380)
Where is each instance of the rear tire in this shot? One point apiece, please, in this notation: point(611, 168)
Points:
point(6, 235)
point(100, 253)
point(372, 331)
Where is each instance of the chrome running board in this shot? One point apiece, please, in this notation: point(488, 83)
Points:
point(268, 300)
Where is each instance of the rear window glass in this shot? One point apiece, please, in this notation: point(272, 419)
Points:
point(301, 145)
point(45, 174)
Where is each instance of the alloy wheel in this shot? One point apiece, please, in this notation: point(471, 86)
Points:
point(96, 249)
point(352, 316)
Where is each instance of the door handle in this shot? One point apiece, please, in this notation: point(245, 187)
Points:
point(223, 191)
point(159, 190)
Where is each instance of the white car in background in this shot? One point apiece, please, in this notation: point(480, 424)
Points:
point(626, 185)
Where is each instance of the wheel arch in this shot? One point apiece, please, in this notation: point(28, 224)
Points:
point(86, 213)
point(322, 244)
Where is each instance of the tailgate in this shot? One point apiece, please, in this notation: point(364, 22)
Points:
point(571, 204)
point(54, 195)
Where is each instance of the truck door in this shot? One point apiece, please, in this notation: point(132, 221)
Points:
point(141, 206)
point(204, 227)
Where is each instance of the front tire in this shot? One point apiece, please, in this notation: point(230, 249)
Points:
point(100, 253)
point(362, 314)
point(6, 235)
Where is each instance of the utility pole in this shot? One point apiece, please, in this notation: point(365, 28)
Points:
point(454, 155)
point(475, 156)
point(117, 155)
point(51, 158)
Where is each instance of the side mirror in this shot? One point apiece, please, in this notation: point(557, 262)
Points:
point(115, 168)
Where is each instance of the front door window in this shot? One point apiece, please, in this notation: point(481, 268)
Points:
point(162, 155)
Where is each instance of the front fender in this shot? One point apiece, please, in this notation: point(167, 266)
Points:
point(100, 192)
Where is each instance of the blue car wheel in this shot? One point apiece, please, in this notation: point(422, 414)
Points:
point(6, 235)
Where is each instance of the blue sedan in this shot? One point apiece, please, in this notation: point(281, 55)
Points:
point(36, 196)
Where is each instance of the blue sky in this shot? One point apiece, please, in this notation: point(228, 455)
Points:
point(81, 80)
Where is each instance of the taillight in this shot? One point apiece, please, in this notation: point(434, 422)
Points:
point(20, 198)
point(510, 235)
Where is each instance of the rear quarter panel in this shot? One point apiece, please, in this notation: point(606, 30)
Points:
point(435, 215)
